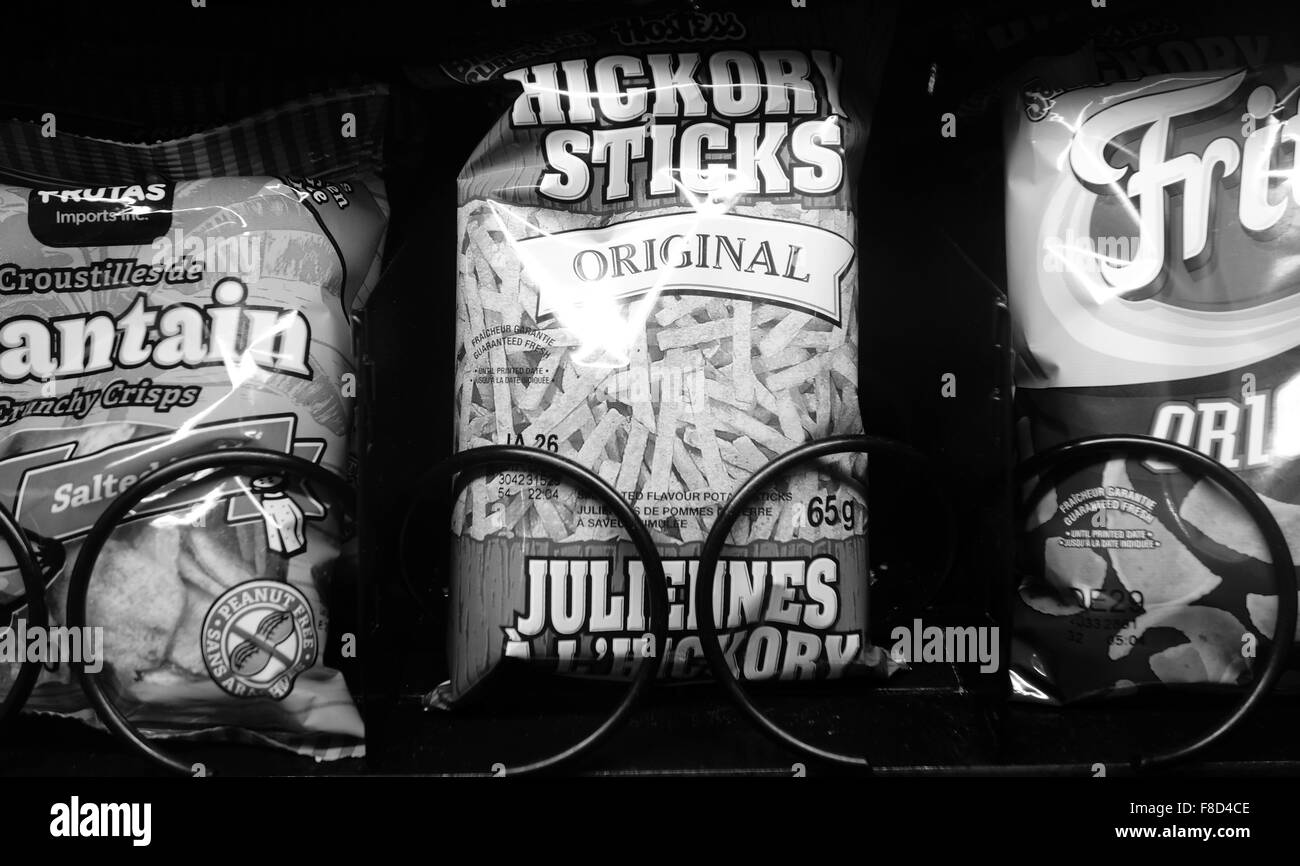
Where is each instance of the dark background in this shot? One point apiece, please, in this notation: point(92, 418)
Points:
point(932, 270)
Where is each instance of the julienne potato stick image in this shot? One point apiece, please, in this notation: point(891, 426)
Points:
point(142, 322)
point(657, 277)
point(1148, 223)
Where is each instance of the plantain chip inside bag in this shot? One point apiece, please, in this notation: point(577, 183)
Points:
point(142, 322)
point(1151, 240)
point(658, 279)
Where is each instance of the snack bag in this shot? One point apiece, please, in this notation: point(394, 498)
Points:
point(146, 320)
point(1150, 240)
point(657, 278)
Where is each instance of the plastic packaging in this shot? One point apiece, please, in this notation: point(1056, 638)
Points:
point(1150, 238)
point(142, 321)
point(657, 277)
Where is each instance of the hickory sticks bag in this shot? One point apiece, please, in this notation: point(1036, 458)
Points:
point(657, 278)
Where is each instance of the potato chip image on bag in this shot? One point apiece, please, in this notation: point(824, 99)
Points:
point(1150, 235)
point(142, 322)
point(657, 277)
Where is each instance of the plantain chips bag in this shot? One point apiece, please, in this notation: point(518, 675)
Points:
point(174, 299)
point(658, 279)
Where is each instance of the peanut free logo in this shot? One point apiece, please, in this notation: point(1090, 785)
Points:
point(258, 637)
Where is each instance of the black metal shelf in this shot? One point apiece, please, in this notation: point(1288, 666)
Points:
point(932, 721)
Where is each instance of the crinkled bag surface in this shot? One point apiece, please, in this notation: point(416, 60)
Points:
point(143, 322)
point(1151, 238)
point(657, 278)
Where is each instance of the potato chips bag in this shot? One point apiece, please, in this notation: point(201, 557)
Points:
point(150, 319)
point(657, 278)
point(1151, 241)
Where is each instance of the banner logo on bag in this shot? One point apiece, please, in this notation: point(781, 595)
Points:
point(59, 494)
point(579, 273)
